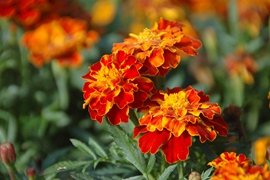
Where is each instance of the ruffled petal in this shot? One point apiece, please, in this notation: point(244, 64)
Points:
point(152, 141)
point(177, 148)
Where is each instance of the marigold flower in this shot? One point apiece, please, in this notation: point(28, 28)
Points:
point(260, 147)
point(241, 64)
point(229, 166)
point(61, 39)
point(172, 118)
point(114, 85)
point(26, 12)
point(159, 48)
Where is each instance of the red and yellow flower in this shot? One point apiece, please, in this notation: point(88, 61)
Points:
point(172, 118)
point(60, 39)
point(229, 166)
point(159, 48)
point(114, 85)
point(26, 12)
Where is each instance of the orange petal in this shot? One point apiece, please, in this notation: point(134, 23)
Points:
point(177, 148)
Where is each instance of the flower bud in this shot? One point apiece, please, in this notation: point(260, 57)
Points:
point(7, 153)
point(194, 176)
point(31, 173)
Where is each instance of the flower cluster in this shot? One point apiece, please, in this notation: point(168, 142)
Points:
point(229, 166)
point(52, 32)
point(120, 82)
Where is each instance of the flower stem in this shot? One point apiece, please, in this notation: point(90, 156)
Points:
point(180, 168)
point(11, 173)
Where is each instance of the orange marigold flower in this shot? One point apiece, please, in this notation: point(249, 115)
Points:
point(59, 39)
point(114, 85)
point(26, 12)
point(229, 166)
point(159, 48)
point(172, 118)
point(241, 64)
point(227, 157)
point(260, 147)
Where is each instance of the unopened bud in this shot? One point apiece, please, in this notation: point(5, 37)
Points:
point(7, 153)
point(31, 173)
point(194, 176)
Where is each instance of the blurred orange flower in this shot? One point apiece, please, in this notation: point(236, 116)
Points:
point(229, 166)
point(172, 118)
point(159, 48)
point(26, 12)
point(241, 64)
point(260, 147)
point(60, 39)
point(114, 85)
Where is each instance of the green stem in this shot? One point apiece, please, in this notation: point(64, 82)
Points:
point(180, 168)
point(11, 173)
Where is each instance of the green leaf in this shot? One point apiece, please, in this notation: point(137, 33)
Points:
point(83, 147)
point(167, 172)
point(98, 149)
point(207, 174)
point(135, 178)
point(81, 176)
point(131, 151)
point(151, 163)
point(64, 166)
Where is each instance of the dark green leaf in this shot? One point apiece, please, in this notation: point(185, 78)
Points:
point(83, 147)
point(131, 151)
point(98, 149)
point(151, 163)
point(64, 166)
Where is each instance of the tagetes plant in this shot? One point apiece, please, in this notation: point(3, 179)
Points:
point(114, 85)
point(60, 39)
point(159, 48)
point(173, 118)
point(230, 166)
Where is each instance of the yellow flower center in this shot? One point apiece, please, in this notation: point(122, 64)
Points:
point(175, 101)
point(147, 35)
point(107, 77)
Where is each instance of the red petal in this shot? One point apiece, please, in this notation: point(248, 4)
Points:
point(218, 123)
point(116, 115)
point(144, 84)
point(177, 148)
point(131, 73)
point(123, 99)
point(171, 59)
point(201, 130)
point(152, 141)
point(138, 130)
point(94, 116)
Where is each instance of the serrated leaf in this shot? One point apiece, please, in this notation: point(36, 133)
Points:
point(151, 163)
point(206, 174)
point(131, 151)
point(83, 147)
point(64, 166)
point(98, 149)
point(135, 178)
point(167, 172)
